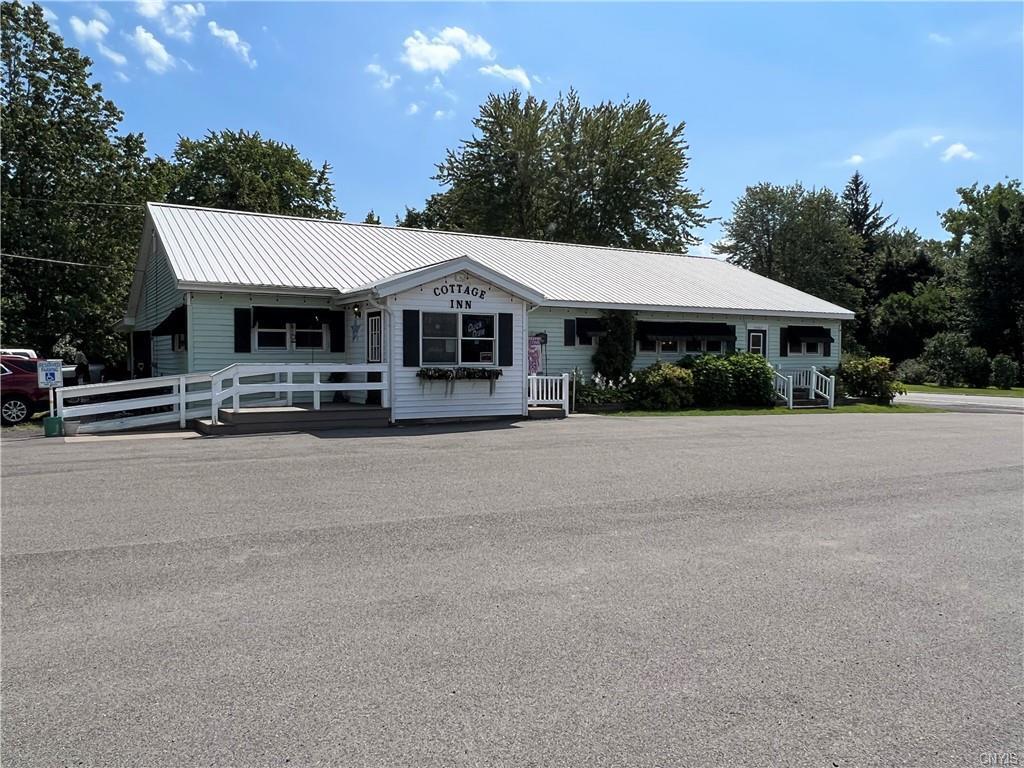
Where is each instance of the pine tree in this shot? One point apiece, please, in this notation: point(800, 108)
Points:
point(866, 221)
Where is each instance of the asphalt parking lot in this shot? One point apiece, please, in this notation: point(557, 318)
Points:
point(827, 590)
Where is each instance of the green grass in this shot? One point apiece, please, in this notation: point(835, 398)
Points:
point(780, 411)
point(935, 389)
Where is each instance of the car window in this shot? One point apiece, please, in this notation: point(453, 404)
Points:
point(28, 366)
point(4, 369)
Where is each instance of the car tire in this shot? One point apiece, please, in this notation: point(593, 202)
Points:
point(15, 410)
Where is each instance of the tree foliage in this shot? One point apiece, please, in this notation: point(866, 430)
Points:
point(796, 236)
point(610, 174)
point(71, 189)
point(987, 246)
point(242, 171)
point(616, 348)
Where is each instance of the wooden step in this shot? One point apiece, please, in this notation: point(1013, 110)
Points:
point(545, 412)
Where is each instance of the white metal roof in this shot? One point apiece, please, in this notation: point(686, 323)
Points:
point(210, 248)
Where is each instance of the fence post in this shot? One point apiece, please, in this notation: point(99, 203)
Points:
point(316, 390)
point(234, 398)
point(832, 392)
point(182, 401)
point(565, 393)
point(789, 393)
point(289, 394)
point(813, 389)
point(385, 397)
point(214, 398)
point(59, 395)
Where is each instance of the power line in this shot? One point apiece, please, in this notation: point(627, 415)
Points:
point(74, 202)
point(57, 261)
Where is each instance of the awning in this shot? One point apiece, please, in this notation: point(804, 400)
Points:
point(589, 327)
point(809, 333)
point(279, 317)
point(652, 330)
point(175, 322)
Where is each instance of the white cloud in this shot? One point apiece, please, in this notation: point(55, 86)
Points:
point(151, 9)
point(156, 56)
point(182, 19)
point(413, 108)
point(536, 79)
point(94, 29)
point(854, 160)
point(439, 53)
point(934, 140)
point(471, 45)
point(935, 37)
point(231, 39)
point(957, 150)
point(102, 14)
point(444, 114)
point(384, 78)
point(122, 76)
point(515, 74)
point(118, 58)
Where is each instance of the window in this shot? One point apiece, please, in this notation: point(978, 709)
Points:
point(694, 345)
point(291, 338)
point(373, 338)
point(647, 345)
point(178, 342)
point(804, 347)
point(450, 338)
point(4, 370)
point(712, 345)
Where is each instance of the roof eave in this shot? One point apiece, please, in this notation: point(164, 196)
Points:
point(841, 315)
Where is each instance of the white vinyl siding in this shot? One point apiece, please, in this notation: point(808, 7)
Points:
point(159, 298)
point(414, 398)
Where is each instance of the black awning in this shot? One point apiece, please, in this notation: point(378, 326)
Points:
point(588, 327)
point(279, 317)
point(175, 322)
point(653, 330)
point(809, 333)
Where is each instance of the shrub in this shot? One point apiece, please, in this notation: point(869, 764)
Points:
point(913, 371)
point(601, 391)
point(870, 378)
point(615, 351)
point(663, 387)
point(977, 367)
point(944, 353)
point(752, 379)
point(712, 381)
point(1004, 371)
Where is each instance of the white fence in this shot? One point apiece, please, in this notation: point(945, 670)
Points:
point(823, 385)
point(168, 399)
point(548, 390)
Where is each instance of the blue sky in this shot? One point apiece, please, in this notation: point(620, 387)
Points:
point(920, 97)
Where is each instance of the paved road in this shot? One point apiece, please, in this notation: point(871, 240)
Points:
point(810, 590)
point(966, 403)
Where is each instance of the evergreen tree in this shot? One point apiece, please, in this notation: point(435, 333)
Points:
point(371, 218)
point(866, 221)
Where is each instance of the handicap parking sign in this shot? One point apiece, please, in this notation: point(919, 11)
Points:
point(50, 373)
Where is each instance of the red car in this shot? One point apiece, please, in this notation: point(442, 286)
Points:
point(19, 390)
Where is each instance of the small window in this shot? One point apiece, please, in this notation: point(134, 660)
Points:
point(811, 348)
point(477, 339)
point(309, 338)
point(693, 345)
point(646, 345)
point(275, 339)
point(373, 338)
point(178, 342)
point(586, 340)
point(795, 347)
point(669, 347)
point(712, 345)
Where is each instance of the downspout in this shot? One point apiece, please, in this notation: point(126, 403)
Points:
point(526, 358)
point(189, 346)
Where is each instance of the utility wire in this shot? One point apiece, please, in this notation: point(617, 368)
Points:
point(57, 261)
point(74, 202)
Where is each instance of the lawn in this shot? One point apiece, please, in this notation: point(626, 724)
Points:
point(780, 411)
point(935, 389)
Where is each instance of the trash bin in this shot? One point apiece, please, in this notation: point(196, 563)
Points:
point(70, 428)
point(52, 426)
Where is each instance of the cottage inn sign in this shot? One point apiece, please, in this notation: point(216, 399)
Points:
point(460, 296)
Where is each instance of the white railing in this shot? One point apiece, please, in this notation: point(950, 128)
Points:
point(119, 405)
point(784, 388)
point(823, 385)
point(802, 379)
point(288, 379)
point(548, 390)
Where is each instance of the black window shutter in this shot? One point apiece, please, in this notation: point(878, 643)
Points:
point(336, 326)
point(505, 339)
point(570, 333)
point(243, 330)
point(411, 338)
point(783, 342)
point(828, 348)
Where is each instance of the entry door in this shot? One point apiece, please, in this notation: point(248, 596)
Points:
point(142, 355)
point(374, 352)
point(757, 342)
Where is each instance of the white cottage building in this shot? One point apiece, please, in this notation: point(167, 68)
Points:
point(388, 307)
